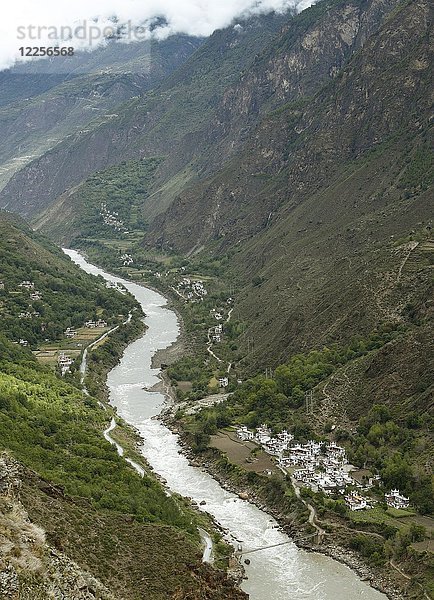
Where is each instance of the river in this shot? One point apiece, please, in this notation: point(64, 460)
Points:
point(280, 573)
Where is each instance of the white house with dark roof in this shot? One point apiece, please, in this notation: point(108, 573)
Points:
point(396, 500)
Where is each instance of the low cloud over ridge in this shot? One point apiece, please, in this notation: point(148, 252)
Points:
point(193, 17)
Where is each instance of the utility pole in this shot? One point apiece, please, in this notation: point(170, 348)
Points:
point(308, 396)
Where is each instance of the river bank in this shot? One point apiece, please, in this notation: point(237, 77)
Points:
point(298, 531)
point(289, 572)
point(384, 580)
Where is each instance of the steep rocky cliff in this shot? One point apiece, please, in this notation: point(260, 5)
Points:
point(309, 52)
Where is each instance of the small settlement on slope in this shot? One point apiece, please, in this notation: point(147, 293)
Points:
point(319, 466)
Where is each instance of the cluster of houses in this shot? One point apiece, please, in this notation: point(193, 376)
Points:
point(223, 382)
point(215, 333)
point(112, 219)
point(274, 445)
point(95, 324)
point(64, 363)
point(34, 295)
point(190, 290)
point(127, 259)
point(30, 286)
point(320, 466)
point(70, 333)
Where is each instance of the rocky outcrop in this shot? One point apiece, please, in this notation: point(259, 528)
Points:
point(309, 53)
point(29, 568)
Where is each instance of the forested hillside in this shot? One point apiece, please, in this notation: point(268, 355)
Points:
point(43, 293)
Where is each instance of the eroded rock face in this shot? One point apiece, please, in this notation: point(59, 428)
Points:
point(310, 53)
point(9, 477)
point(29, 568)
point(9, 583)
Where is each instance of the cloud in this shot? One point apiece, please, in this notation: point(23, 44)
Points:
point(30, 23)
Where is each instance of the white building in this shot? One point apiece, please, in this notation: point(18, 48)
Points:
point(263, 435)
point(396, 500)
point(355, 501)
point(245, 434)
point(223, 382)
point(64, 363)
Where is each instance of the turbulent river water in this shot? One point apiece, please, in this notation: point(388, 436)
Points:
point(280, 573)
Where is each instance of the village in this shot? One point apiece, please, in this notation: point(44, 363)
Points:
point(61, 355)
point(188, 289)
point(112, 219)
point(320, 466)
point(65, 361)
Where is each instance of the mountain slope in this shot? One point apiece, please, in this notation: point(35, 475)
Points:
point(197, 123)
point(184, 119)
point(324, 199)
point(63, 97)
point(151, 126)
